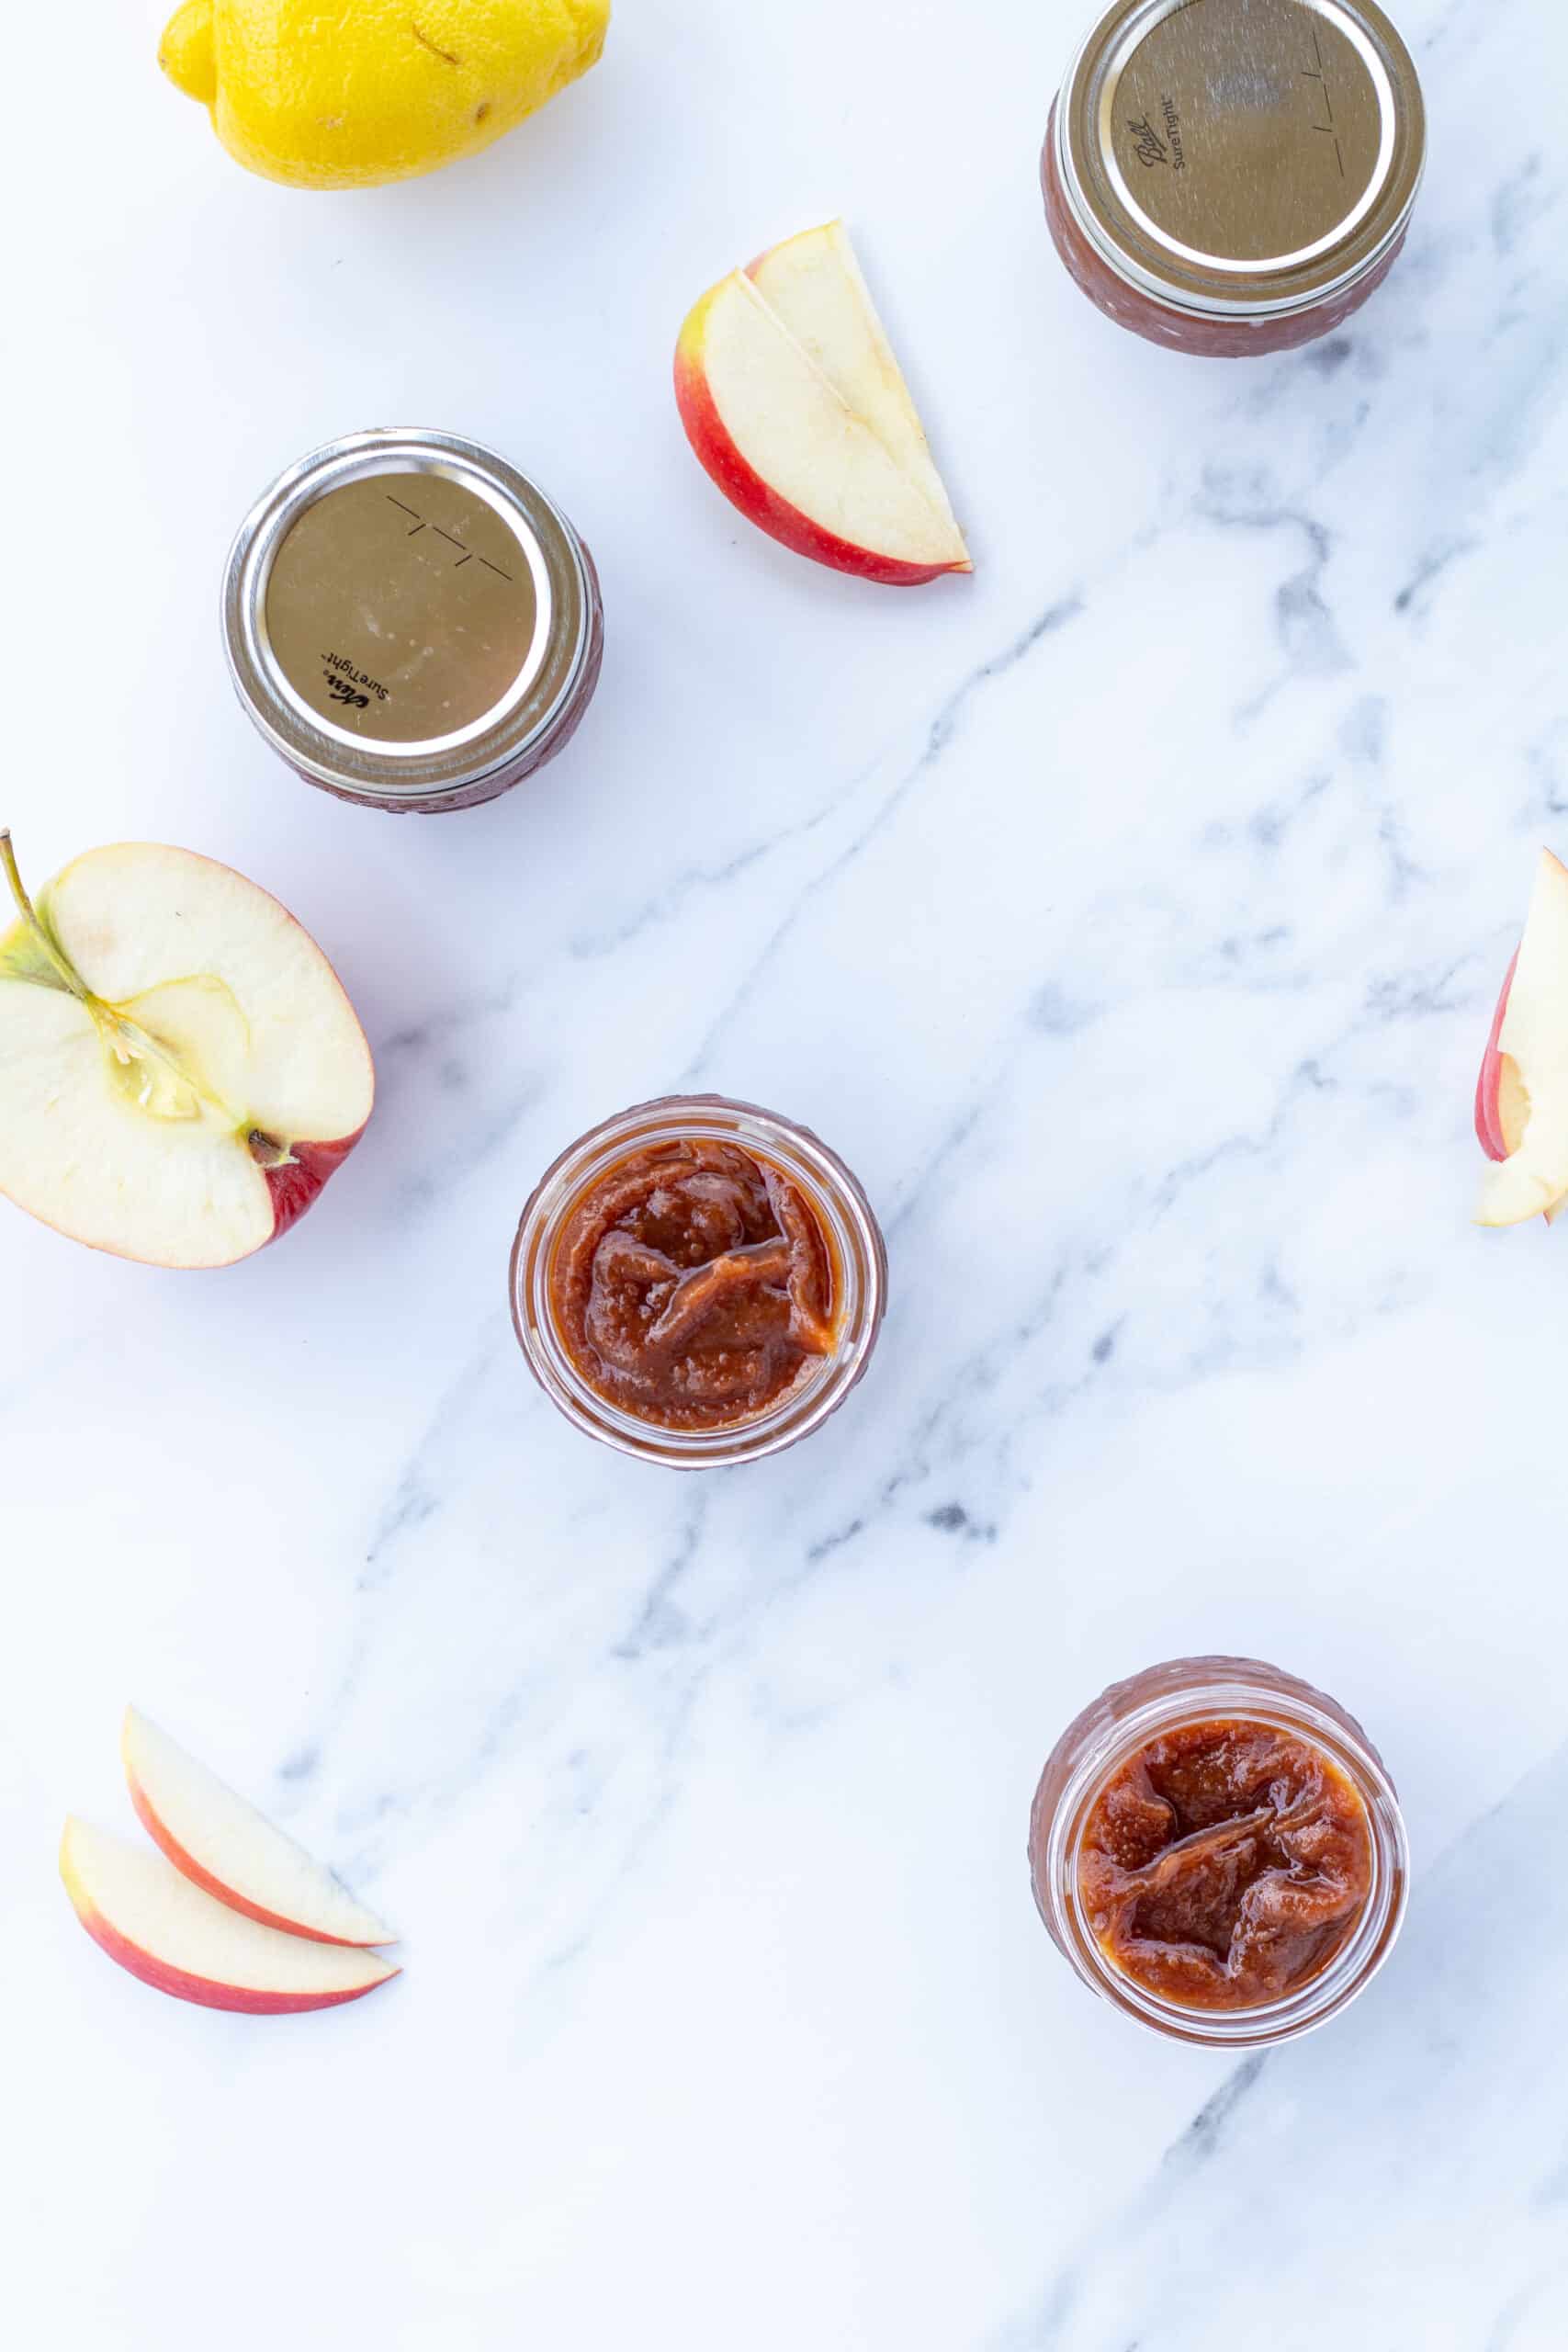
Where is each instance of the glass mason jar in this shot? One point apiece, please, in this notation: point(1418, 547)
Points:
point(1163, 1699)
point(856, 1253)
point(411, 623)
point(1233, 178)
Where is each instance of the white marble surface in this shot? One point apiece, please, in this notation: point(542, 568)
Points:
point(1130, 916)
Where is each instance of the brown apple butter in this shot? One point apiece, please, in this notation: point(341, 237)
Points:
point(1224, 1864)
point(693, 1285)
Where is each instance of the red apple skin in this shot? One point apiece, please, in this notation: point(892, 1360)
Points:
point(745, 489)
point(1490, 1130)
point(187, 1865)
point(1488, 1115)
point(294, 1187)
point(201, 1989)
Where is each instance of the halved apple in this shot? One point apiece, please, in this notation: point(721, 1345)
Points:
point(167, 1932)
point(1521, 1097)
point(180, 1069)
point(224, 1846)
point(794, 404)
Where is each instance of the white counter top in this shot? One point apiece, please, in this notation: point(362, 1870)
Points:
point(1130, 916)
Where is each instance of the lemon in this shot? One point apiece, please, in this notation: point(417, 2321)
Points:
point(373, 90)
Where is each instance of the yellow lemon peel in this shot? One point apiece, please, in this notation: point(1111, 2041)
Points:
point(398, 88)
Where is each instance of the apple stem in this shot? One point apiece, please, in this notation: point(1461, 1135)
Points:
point(18, 892)
point(31, 917)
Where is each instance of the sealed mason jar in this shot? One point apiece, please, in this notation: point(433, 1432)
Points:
point(1212, 1827)
point(1233, 178)
point(411, 622)
point(698, 1281)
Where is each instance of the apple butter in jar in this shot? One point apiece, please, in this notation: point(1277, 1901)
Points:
point(1233, 178)
point(698, 1281)
point(1217, 1849)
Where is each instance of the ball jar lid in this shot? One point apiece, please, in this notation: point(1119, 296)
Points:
point(1240, 157)
point(404, 613)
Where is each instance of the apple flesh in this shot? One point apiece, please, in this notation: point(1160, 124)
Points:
point(1521, 1097)
point(224, 1846)
point(795, 405)
point(163, 1929)
point(180, 1069)
point(814, 284)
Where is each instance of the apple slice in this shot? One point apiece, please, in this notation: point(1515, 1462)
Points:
point(817, 450)
point(814, 283)
point(1500, 1105)
point(223, 1845)
point(170, 1935)
point(1521, 1099)
point(180, 1070)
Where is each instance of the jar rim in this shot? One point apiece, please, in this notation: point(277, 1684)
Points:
point(836, 1199)
point(1237, 1694)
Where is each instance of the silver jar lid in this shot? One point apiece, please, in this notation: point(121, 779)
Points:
point(1241, 158)
point(405, 614)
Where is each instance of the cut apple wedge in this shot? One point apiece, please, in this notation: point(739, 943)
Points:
point(180, 1070)
point(1521, 1098)
point(793, 401)
point(814, 284)
point(224, 1846)
point(167, 1932)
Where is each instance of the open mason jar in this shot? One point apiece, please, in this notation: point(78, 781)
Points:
point(698, 1281)
point(1272, 1718)
point(1233, 178)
